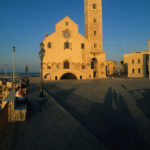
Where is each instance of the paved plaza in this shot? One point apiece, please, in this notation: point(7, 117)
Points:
point(116, 111)
point(100, 114)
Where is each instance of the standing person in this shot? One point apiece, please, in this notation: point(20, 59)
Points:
point(24, 86)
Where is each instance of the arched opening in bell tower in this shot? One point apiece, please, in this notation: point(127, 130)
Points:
point(94, 66)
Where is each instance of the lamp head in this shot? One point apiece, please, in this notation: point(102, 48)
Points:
point(41, 45)
point(42, 53)
point(14, 49)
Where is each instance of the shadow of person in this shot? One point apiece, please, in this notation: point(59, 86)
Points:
point(111, 121)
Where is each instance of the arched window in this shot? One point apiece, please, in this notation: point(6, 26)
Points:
point(83, 66)
point(49, 45)
point(80, 77)
point(82, 45)
point(133, 71)
point(66, 23)
point(94, 20)
point(95, 45)
point(94, 6)
point(48, 67)
point(66, 45)
point(92, 64)
point(66, 65)
point(139, 70)
point(55, 77)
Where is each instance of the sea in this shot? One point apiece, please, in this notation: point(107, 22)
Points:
point(21, 74)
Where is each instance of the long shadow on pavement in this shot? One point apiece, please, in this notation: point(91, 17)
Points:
point(111, 121)
point(143, 101)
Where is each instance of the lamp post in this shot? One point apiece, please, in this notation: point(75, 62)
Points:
point(13, 67)
point(149, 64)
point(41, 55)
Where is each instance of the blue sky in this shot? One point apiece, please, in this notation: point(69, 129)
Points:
point(23, 23)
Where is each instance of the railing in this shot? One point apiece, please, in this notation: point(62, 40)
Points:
point(3, 117)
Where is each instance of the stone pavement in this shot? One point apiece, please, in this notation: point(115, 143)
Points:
point(50, 127)
point(117, 112)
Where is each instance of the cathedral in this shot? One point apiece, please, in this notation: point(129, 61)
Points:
point(70, 55)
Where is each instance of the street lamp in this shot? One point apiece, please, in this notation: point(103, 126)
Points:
point(41, 55)
point(13, 67)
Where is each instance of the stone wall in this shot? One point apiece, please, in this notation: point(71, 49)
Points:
point(3, 118)
point(16, 113)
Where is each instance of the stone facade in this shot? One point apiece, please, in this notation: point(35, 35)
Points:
point(71, 55)
point(149, 57)
point(136, 64)
point(111, 67)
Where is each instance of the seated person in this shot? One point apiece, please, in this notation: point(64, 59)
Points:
point(23, 84)
point(20, 98)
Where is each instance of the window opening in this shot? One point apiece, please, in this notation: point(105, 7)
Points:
point(94, 6)
point(49, 45)
point(66, 45)
point(133, 71)
point(66, 65)
point(139, 70)
point(82, 45)
point(94, 20)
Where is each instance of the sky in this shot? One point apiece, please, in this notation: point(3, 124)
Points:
point(23, 23)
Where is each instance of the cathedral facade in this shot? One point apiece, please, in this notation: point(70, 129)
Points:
point(70, 55)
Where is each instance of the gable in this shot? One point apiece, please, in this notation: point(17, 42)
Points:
point(66, 23)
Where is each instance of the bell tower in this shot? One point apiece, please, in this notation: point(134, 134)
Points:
point(93, 32)
point(93, 25)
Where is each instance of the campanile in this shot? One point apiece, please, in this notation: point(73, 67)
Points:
point(93, 25)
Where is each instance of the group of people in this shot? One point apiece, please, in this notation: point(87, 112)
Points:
point(21, 91)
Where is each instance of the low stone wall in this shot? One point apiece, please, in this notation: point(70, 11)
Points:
point(3, 117)
point(15, 113)
point(35, 80)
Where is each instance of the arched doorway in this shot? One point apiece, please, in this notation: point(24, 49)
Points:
point(67, 76)
point(47, 76)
